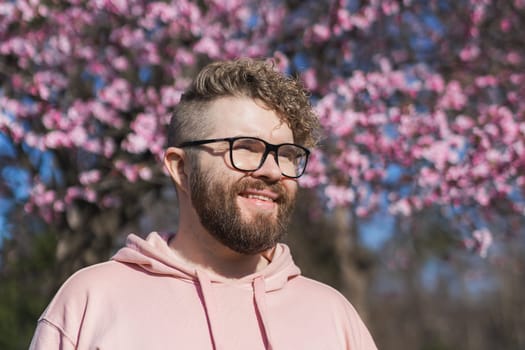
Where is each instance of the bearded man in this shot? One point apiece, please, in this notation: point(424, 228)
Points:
point(238, 141)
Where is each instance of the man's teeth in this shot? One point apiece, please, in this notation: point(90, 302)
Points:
point(262, 198)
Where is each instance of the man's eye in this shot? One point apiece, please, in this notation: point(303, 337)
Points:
point(252, 146)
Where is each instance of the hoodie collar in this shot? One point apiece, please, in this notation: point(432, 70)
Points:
point(155, 256)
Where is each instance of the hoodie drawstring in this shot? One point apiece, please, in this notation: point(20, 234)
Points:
point(259, 291)
point(210, 308)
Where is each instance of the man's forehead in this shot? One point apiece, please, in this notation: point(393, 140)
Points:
point(244, 116)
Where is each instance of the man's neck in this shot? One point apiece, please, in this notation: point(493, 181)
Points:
point(202, 250)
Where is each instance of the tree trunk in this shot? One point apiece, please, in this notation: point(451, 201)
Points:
point(354, 273)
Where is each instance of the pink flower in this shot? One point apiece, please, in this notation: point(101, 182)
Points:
point(469, 53)
point(462, 123)
point(401, 207)
point(358, 81)
point(310, 79)
point(78, 135)
point(108, 148)
point(483, 240)
point(135, 143)
point(390, 7)
point(208, 46)
point(482, 197)
point(486, 81)
point(321, 32)
point(339, 196)
point(514, 58)
point(121, 63)
point(429, 178)
point(436, 83)
point(170, 96)
point(89, 177)
point(505, 25)
point(57, 139)
point(145, 173)
point(454, 97)
point(344, 19)
point(118, 94)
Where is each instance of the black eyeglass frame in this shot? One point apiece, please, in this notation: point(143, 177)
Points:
point(269, 147)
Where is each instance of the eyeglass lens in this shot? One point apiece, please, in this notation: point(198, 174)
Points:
point(247, 154)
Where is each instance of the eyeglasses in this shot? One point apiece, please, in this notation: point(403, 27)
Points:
point(249, 154)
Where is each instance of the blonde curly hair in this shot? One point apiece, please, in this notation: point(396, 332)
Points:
point(256, 79)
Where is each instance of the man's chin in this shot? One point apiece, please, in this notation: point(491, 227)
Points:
point(261, 218)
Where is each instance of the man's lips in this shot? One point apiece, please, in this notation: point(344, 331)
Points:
point(262, 195)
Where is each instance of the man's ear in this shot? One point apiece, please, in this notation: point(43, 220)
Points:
point(175, 161)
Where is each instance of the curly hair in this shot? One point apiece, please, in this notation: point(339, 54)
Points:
point(256, 79)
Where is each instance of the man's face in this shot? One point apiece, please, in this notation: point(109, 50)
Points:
point(246, 211)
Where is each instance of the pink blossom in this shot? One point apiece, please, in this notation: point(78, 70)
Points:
point(339, 196)
point(440, 154)
point(72, 193)
point(56, 139)
point(483, 241)
point(344, 19)
point(487, 80)
point(482, 197)
point(310, 79)
point(207, 46)
point(429, 178)
point(514, 58)
point(390, 7)
point(481, 170)
point(401, 207)
point(135, 143)
point(43, 195)
point(505, 24)
point(121, 63)
point(78, 136)
point(436, 83)
point(145, 173)
point(321, 32)
point(145, 124)
point(92, 146)
point(89, 177)
point(108, 148)
point(469, 53)
point(105, 114)
point(462, 123)
point(59, 206)
point(131, 172)
point(358, 81)
point(454, 97)
point(170, 96)
point(118, 94)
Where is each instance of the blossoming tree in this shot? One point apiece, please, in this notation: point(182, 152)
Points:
point(422, 103)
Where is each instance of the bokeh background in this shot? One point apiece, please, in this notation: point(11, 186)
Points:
point(413, 205)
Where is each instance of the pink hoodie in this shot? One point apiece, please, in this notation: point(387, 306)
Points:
point(147, 298)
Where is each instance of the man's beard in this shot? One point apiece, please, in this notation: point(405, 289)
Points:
point(216, 205)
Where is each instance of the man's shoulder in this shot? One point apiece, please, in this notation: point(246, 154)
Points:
point(93, 279)
point(315, 289)
point(96, 274)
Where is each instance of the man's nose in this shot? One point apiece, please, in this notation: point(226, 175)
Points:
point(269, 169)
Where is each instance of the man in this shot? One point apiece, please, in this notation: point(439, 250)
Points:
point(237, 144)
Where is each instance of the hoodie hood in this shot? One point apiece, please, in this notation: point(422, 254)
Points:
point(155, 256)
